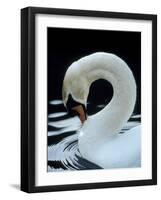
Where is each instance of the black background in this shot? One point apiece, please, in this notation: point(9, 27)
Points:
point(67, 45)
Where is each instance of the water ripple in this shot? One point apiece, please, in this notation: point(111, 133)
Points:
point(63, 152)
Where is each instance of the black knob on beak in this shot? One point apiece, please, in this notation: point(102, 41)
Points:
point(75, 108)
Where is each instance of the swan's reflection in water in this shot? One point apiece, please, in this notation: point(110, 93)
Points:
point(63, 153)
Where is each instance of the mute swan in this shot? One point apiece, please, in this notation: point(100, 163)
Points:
point(99, 140)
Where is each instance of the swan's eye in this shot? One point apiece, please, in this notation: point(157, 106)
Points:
point(76, 109)
point(71, 102)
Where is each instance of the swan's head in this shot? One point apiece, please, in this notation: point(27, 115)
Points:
point(75, 92)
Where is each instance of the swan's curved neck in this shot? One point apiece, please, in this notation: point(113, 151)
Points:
point(118, 111)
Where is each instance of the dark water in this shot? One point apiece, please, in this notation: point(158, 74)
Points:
point(63, 152)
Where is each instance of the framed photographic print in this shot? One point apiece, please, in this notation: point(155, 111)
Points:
point(88, 99)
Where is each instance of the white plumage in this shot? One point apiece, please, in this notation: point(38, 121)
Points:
point(99, 139)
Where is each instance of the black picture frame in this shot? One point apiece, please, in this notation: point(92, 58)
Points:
point(28, 99)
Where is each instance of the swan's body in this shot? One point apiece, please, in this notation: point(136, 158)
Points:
point(99, 139)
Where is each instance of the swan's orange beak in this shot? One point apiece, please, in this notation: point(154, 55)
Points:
point(81, 113)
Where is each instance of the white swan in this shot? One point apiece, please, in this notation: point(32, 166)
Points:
point(99, 140)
